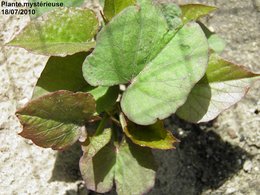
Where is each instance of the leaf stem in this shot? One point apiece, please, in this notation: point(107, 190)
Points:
point(102, 124)
point(95, 119)
point(122, 120)
point(103, 17)
point(115, 121)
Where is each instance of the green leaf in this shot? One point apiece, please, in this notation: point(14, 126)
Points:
point(98, 171)
point(195, 11)
point(61, 32)
point(102, 3)
point(62, 73)
point(152, 136)
point(96, 148)
point(113, 7)
point(224, 85)
point(135, 165)
point(55, 120)
point(42, 9)
point(130, 166)
point(167, 80)
point(105, 97)
point(97, 142)
point(65, 73)
point(172, 14)
point(131, 44)
point(103, 180)
point(216, 43)
point(126, 45)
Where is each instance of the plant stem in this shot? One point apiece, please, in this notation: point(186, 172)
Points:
point(95, 119)
point(115, 136)
point(102, 124)
point(115, 121)
point(122, 120)
point(103, 17)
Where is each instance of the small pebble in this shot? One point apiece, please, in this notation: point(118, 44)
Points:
point(247, 166)
point(216, 124)
point(181, 132)
point(232, 133)
point(231, 190)
point(242, 138)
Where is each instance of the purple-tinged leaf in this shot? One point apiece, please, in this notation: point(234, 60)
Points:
point(65, 73)
point(131, 167)
point(56, 120)
point(97, 162)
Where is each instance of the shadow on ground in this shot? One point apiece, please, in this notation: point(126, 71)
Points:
point(202, 161)
point(66, 166)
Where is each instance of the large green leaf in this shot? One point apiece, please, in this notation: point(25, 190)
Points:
point(101, 169)
point(60, 32)
point(135, 169)
point(195, 11)
point(137, 47)
point(126, 45)
point(172, 14)
point(152, 136)
point(65, 73)
point(224, 85)
point(131, 167)
point(42, 9)
point(98, 171)
point(167, 80)
point(113, 7)
point(55, 120)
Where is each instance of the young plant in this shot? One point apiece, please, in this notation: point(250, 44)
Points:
point(147, 62)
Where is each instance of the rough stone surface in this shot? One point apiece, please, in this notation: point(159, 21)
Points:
point(220, 157)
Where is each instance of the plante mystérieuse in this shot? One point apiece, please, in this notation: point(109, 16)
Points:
point(125, 73)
